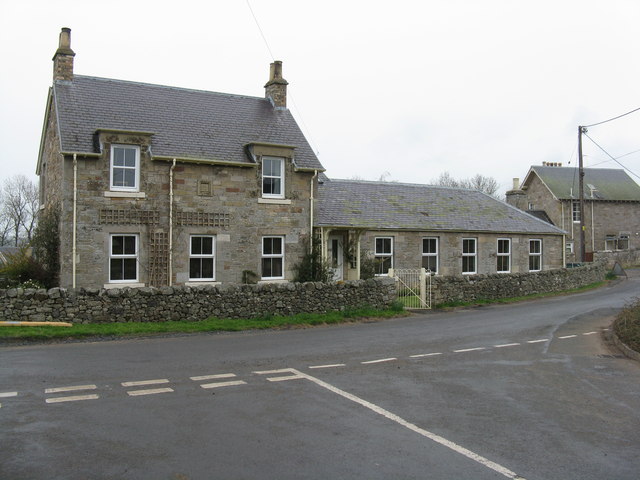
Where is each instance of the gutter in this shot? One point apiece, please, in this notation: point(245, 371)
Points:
point(315, 175)
point(173, 166)
point(75, 219)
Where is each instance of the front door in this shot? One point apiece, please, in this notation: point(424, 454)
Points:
point(336, 256)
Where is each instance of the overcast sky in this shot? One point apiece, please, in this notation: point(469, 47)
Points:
point(412, 88)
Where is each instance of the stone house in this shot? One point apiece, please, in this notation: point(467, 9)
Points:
point(611, 204)
point(449, 231)
point(158, 185)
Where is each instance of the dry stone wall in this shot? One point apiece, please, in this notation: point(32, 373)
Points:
point(192, 303)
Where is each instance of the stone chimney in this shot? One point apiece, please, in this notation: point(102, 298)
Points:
point(517, 197)
point(276, 88)
point(63, 58)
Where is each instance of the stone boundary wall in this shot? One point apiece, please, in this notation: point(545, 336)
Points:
point(506, 285)
point(192, 303)
point(626, 258)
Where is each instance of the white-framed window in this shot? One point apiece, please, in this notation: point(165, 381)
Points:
point(535, 255)
point(503, 255)
point(272, 258)
point(575, 211)
point(272, 177)
point(623, 241)
point(383, 255)
point(125, 168)
point(568, 248)
point(202, 265)
point(123, 258)
point(610, 242)
point(430, 254)
point(469, 255)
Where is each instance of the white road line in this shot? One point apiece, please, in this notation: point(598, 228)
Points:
point(144, 382)
point(567, 336)
point(74, 398)
point(223, 384)
point(280, 379)
point(8, 394)
point(506, 345)
point(425, 433)
point(381, 360)
point(70, 389)
point(538, 341)
point(590, 333)
point(421, 355)
point(213, 377)
point(469, 349)
point(335, 365)
point(151, 391)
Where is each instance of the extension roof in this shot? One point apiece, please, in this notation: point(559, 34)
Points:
point(404, 206)
point(186, 124)
point(609, 184)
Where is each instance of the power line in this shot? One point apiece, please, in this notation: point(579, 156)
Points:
point(620, 156)
point(610, 156)
point(260, 30)
point(611, 119)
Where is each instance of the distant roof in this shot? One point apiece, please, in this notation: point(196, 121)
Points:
point(403, 206)
point(541, 214)
point(608, 183)
point(186, 123)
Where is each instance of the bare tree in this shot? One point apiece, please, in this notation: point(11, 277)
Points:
point(488, 185)
point(19, 207)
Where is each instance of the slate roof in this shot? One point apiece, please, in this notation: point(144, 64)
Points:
point(186, 123)
point(610, 184)
point(402, 206)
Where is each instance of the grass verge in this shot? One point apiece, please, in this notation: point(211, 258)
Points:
point(485, 301)
point(627, 326)
point(210, 325)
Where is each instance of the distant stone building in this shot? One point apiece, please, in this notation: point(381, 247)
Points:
point(161, 186)
point(611, 201)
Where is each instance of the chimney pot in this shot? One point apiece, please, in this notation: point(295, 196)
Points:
point(276, 87)
point(63, 58)
point(516, 183)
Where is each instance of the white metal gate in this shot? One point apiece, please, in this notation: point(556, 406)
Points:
point(414, 287)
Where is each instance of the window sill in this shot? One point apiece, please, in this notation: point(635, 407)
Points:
point(194, 283)
point(275, 201)
point(109, 286)
point(112, 194)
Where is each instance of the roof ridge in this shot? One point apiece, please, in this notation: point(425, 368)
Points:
point(157, 85)
point(404, 184)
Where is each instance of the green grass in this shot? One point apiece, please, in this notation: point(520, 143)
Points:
point(627, 326)
point(209, 325)
point(486, 301)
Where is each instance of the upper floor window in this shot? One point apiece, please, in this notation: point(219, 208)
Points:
point(123, 258)
point(272, 177)
point(575, 210)
point(469, 255)
point(201, 258)
point(383, 256)
point(125, 168)
point(503, 255)
point(430, 254)
point(535, 255)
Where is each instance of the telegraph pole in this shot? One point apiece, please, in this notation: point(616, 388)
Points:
point(581, 130)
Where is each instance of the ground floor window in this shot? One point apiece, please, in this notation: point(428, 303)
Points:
point(123, 258)
point(535, 255)
point(430, 254)
point(469, 255)
point(503, 255)
point(623, 241)
point(568, 248)
point(272, 257)
point(610, 242)
point(202, 257)
point(383, 256)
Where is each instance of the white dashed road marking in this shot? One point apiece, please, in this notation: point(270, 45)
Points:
point(425, 433)
point(538, 341)
point(335, 365)
point(70, 389)
point(148, 391)
point(213, 377)
point(7, 395)
point(568, 336)
point(381, 360)
point(296, 375)
point(506, 345)
point(422, 355)
point(144, 382)
point(71, 398)
point(469, 350)
point(218, 376)
point(590, 333)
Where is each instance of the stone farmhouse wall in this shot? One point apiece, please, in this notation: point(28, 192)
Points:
point(494, 286)
point(192, 303)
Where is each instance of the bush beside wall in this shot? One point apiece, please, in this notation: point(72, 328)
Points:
point(192, 303)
